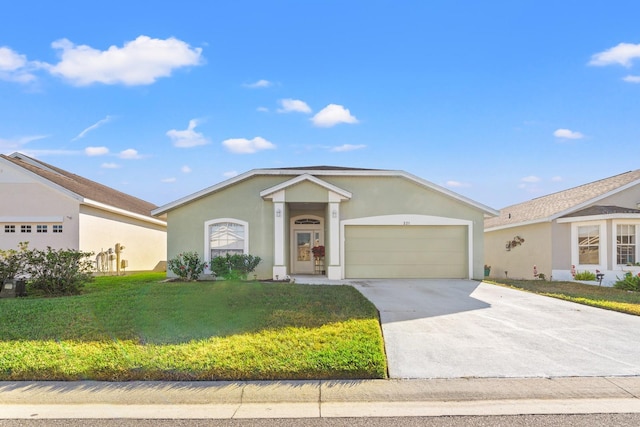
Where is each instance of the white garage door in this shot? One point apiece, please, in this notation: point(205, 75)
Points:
point(390, 251)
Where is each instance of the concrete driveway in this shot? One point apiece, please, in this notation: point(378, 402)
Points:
point(463, 328)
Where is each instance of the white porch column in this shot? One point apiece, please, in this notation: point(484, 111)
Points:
point(334, 269)
point(279, 267)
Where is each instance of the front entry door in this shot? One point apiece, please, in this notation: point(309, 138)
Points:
point(304, 241)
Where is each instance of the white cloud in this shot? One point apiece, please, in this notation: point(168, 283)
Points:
point(230, 174)
point(632, 79)
point(567, 134)
point(139, 62)
point(185, 169)
point(332, 115)
point(457, 184)
point(293, 105)
point(94, 126)
point(15, 67)
point(187, 138)
point(531, 179)
point(621, 54)
point(259, 84)
point(130, 154)
point(17, 143)
point(247, 146)
point(96, 151)
point(169, 180)
point(348, 147)
point(110, 166)
point(262, 109)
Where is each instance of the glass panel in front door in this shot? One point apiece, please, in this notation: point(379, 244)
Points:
point(304, 245)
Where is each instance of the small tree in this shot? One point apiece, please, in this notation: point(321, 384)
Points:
point(236, 266)
point(187, 266)
point(58, 272)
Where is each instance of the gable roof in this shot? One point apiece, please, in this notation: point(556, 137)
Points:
point(556, 205)
point(83, 189)
point(317, 171)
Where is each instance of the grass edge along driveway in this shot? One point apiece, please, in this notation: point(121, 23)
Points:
point(138, 328)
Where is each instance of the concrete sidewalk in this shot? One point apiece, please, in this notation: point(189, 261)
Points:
point(314, 399)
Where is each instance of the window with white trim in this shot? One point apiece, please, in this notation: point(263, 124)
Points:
point(226, 238)
point(589, 244)
point(57, 228)
point(9, 228)
point(41, 228)
point(626, 244)
point(25, 228)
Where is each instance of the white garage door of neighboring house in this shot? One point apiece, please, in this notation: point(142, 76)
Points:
point(389, 251)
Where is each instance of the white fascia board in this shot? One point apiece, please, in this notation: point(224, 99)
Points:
point(39, 219)
point(598, 217)
point(123, 212)
point(595, 199)
point(305, 177)
point(519, 224)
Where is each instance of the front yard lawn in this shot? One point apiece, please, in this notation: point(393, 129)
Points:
point(138, 328)
point(593, 295)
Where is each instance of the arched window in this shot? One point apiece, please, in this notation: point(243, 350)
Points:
point(225, 236)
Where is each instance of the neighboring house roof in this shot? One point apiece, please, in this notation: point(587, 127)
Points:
point(85, 190)
point(321, 171)
point(563, 203)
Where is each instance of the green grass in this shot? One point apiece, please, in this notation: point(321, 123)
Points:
point(138, 328)
point(593, 295)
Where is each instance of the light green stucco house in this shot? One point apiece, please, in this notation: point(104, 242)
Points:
point(371, 223)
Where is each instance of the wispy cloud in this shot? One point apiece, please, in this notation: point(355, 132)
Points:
point(189, 137)
point(293, 106)
point(567, 134)
point(247, 146)
point(15, 67)
point(332, 115)
point(457, 184)
point(230, 174)
point(94, 126)
point(631, 79)
point(19, 142)
point(531, 179)
point(130, 154)
point(110, 166)
point(622, 54)
point(169, 180)
point(185, 169)
point(259, 84)
point(138, 62)
point(96, 151)
point(347, 147)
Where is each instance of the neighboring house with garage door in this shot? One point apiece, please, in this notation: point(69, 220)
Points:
point(47, 206)
point(371, 223)
point(595, 226)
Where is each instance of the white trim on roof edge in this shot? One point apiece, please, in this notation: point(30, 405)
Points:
point(123, 212)
point(306, 177)
point(321, 172)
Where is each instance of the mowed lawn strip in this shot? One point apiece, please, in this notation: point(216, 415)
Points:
point(138, 328)
point(596, 296)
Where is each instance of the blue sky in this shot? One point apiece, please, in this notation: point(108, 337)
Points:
point(500, 101)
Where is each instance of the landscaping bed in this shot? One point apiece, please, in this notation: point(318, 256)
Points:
point(140, 328)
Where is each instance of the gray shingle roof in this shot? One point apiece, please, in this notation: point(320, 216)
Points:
point(561, 203)
point(81, 186)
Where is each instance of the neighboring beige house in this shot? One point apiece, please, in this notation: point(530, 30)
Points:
point(592, 227)
point(47, 206)
point(372, 224)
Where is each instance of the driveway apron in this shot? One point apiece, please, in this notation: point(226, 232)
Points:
point(464, 328)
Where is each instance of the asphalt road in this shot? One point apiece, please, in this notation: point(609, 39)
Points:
point(610, 420)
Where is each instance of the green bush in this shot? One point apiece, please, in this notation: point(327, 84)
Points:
point(585, 275)
point(187, 266)
point(236, 266)
point(12, 262)
point(628, 283)
point(58, 272)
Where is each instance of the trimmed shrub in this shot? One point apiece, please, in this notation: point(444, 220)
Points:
point(236, 266)
point(585, 275)
point(58, 272)
point(628, 283)
point(187, 266)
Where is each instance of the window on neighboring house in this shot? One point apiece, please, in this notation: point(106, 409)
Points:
point(41, 229)
point(25, 229)
point(57, 228)
point(226, 238)
point(589, 244)
point(626, 244)
point(9, 228)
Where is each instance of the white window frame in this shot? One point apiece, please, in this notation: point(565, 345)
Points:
point(614, 239)
point(207, 241)
point(602, 250)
